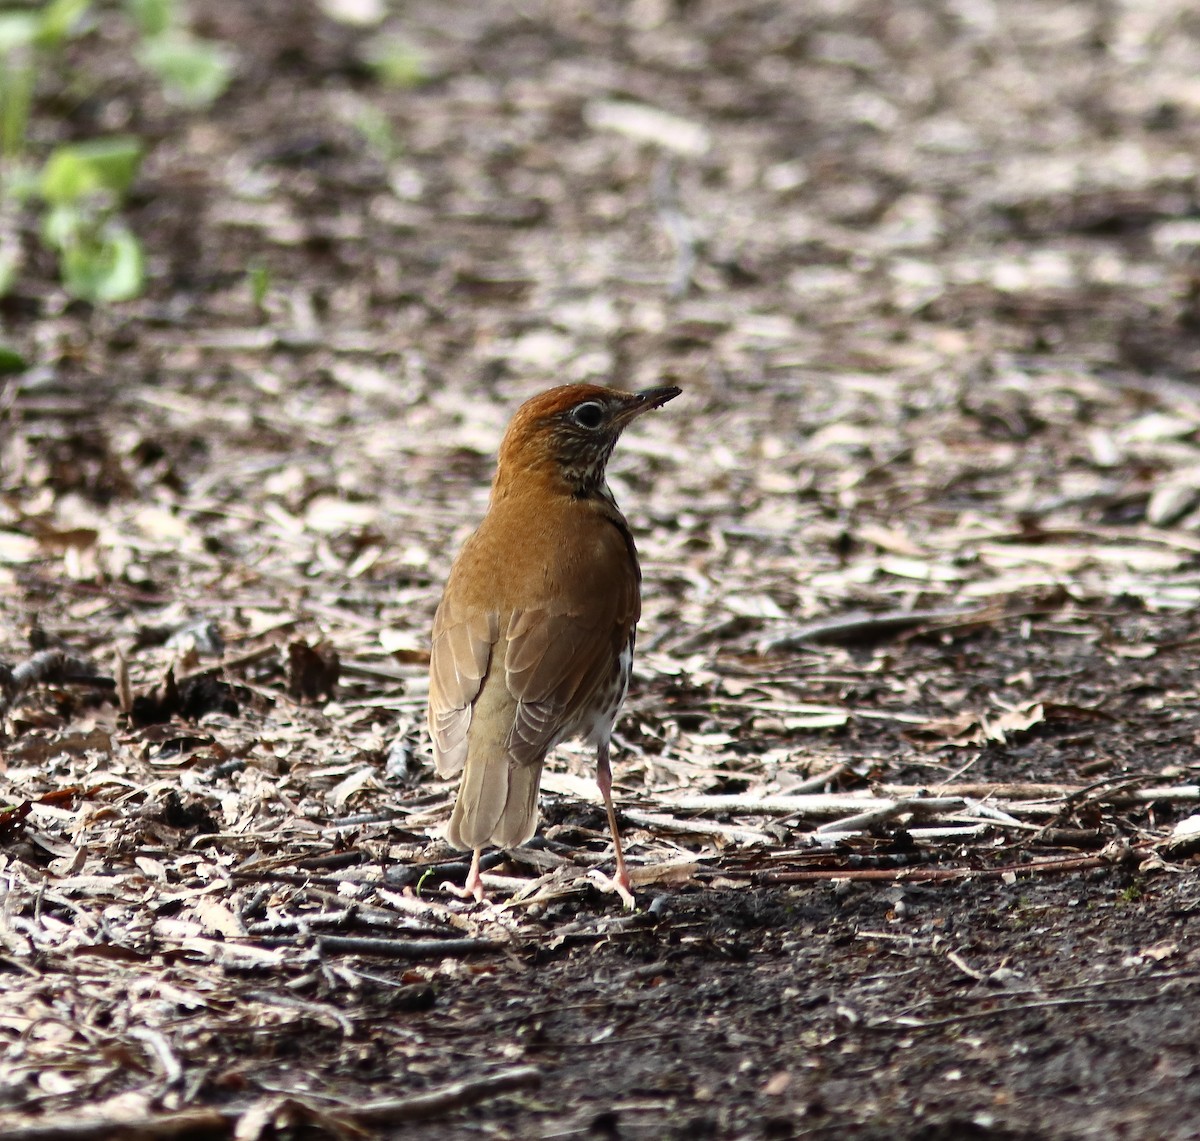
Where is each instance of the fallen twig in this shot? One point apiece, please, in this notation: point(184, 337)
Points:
point(348, 917)
point(1178, 794)
point(690, 826)
point(48, 667)
point(862, 626)
point(810, 804)
point(1069, 864)
point(470, 1091)
point(889, 810)
point(161, 1048)
point(819, 781)
point(211, 1122)
point(887, 804)
point(959, 832)
point(404, 948)
point(223, 1122)
point(904, 1023)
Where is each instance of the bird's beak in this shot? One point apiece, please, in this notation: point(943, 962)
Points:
point(653, 398)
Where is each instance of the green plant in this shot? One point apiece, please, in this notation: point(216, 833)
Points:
point(24, 34)
point(260, 281)
point(152, 17)
point(83, 185)
point(46, 27)
point(16, 98)
point(76, 222)
point(193, 71)
point(396, 62)
point(376, 130)
point(11, 361)
point(10, 262)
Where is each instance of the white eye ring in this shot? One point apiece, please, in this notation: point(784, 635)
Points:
point(589, 414)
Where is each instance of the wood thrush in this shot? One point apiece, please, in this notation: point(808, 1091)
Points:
point(533, 638)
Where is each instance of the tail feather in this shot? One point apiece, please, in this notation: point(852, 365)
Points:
point(496, 804)
point(497, 796)
point(519, 820)
point(482, 794)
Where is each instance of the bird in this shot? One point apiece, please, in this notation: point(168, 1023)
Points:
point(532, 642)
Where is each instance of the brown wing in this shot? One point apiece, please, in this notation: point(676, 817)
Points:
point(458, 663)
point(555, 661)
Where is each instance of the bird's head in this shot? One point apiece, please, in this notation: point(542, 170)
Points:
point(569, 432)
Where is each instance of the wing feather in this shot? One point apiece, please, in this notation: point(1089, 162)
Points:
point(555, 661)
point(458, 663)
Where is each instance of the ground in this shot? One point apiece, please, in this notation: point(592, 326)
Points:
point(927, 276)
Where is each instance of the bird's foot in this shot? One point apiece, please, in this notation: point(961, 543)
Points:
point(467, 891)
point(473, 888)
point(618, 883)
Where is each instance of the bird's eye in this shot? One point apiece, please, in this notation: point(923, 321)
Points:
point(588, 415)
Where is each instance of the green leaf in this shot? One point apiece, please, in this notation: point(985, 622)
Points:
point(376, 129)
point(16, 98)
point(10, 262)
point(61, 226)
point(58, 20)
point(108, 267)
point(11, 361)
point(18, 30)
point(153, 17)
point(193, 72)
point(396, 61)
point(260, 282)
point(73, 172)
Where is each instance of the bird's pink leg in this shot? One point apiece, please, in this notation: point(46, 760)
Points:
point(474, 884)
point(473, 888)
point(604, 779)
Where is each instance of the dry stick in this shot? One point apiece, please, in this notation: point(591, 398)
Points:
point(990, 812)
point(404, 948)
point(454, 1096)
point(56, 667)
point(859, 625)
point(692, 826)
point(172, 1070)
point(293, 878)
point(831, 804)
point(951, 832)
point(1003, 790)
point(827, 804)
point(901, 1023)
point(225, 665)
point(353, 668)
point(863, 808)
point(1179, 794)
point(286, 926)
point(818, 781)
point(90, 589)
point(1069, 864)
point(889, 810)
point(213, 1122)
point(124, 685)
point(373, 913)
point(218, 1122)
